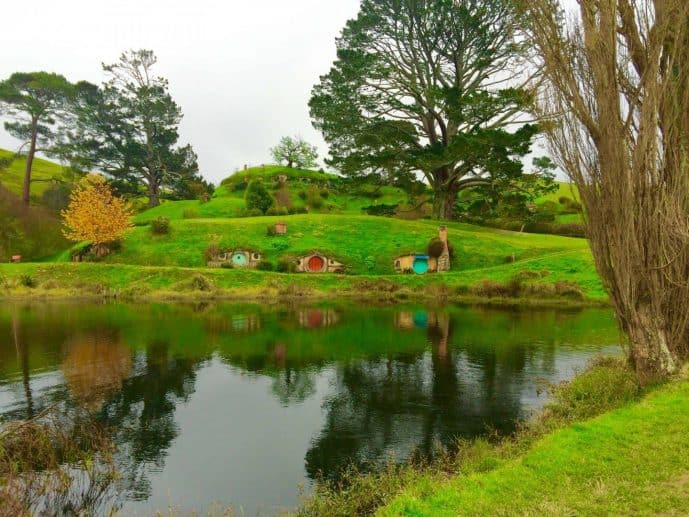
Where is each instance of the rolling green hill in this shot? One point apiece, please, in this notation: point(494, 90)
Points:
point(228, 199)
point(43, 172)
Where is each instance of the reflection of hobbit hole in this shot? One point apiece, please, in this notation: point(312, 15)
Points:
point(317, 263)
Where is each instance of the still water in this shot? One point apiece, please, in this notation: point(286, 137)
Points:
point(240, 405)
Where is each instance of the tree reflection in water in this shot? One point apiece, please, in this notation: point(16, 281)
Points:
point(141, 413)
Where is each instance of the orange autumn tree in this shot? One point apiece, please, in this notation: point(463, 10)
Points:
point(95, 214)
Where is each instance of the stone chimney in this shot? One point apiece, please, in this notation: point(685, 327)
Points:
point(444, 259)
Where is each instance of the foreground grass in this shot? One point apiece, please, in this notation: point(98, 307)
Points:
point(634, 460)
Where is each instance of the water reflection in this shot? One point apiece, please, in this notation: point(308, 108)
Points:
point(309, 390)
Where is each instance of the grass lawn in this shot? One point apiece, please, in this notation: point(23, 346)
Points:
point(365, 244)
point(42, 172)
point(632, 461)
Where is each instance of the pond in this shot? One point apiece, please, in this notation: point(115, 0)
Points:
point(240, 405)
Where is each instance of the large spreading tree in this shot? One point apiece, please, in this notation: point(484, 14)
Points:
point(431, 87)
point(129, 130)
point(35, 103)
point(295, 151)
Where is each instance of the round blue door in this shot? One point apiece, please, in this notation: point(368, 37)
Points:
point(240, 259)
point(420, 266)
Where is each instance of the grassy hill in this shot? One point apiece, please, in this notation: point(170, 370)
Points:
point(366, 245)
point(43, 172)
point(228, 199)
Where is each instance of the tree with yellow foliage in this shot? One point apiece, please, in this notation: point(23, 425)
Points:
point(95, 214)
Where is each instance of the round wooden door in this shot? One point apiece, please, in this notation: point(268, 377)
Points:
point(316, 264)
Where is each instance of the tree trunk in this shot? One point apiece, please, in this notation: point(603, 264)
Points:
point(153, 194)
point(26, 193)
point(444, 203)
point(649, 348)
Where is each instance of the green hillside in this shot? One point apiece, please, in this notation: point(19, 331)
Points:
point(43, 171)
point(228, 199)
point(365, 244)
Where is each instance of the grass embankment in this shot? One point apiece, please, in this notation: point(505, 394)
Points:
point(631, 460)
point(42, 173)
point(172, 266)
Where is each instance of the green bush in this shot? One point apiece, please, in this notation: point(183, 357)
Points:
point(286, 265)
point(325, 194)
point(190, 213)
point(436, 247)
point(160, 226)
point(265, 265)
point(606, 384)
point(227, 265)
point(571, 230)
point(253, 212)
point(381, 210)
point(201, 283)
point(270, 230)
point(27, 281)
point(313, 198)
point(272, 211)
point(257, 197)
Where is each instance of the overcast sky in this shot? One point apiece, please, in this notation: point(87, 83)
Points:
point(242, 71)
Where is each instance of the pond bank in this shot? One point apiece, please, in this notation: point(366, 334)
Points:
point(55, 281)
point(632, 459)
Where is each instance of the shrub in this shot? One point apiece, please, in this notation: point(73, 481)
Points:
point(254, 212)
point(283, 211)
point(285, 265)
point(240, 186)
point(270, 230)
point(370, 263)
point(212, 251)
point(201, 283)
point(227, 265)
point(265, 265)
point(27, 281)
point(606, 384)
point(272, 211)
point(325, 194)
point(302, 194)
point(569, 290)
point(381, 210)
point(436, 247)
point(564, 200)
point(492, 289)
point(257, 197)
point(190, 213)
point(160, 226)
point(571, 230)
point(313, 198)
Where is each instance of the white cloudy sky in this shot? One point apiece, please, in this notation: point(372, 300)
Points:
point(242, 71)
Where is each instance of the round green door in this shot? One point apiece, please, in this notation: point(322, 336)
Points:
point(240, 259)
point(420, 266)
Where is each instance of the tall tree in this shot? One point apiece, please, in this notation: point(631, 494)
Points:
point(618, 90)
point(129, 129)
point(429, 86)
point(295, 151)
point(35, 103)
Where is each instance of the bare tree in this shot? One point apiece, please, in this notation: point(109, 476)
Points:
point(617, 94)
